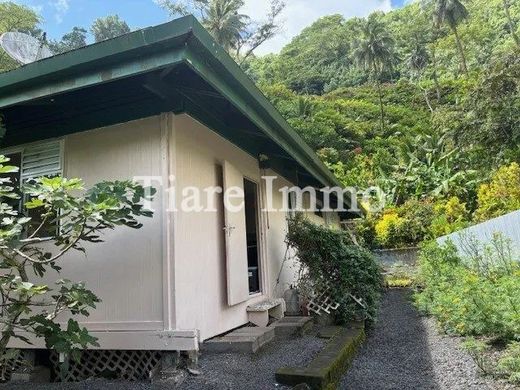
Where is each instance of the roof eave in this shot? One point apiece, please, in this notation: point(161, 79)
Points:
point(183, 40)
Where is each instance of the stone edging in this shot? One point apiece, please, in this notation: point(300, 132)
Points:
point(327, 368)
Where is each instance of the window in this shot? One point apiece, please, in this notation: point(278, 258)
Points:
point(43, 159)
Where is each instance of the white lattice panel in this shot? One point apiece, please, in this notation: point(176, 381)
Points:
point(125, 365)
point(321, 302)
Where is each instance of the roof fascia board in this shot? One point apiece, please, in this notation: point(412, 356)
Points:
point(210, 77)
point(102, 53)
point(111, 73)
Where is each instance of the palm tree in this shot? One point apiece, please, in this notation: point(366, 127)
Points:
point(417, 61)
point(512, 28)
point(451, 12)
point(224, 22)
point(374, 53)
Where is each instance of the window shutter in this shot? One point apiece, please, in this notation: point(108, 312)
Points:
point(41, 160)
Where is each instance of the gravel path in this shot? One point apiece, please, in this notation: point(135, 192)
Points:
point(233, 371)
point(406, 351)
point(219, 371)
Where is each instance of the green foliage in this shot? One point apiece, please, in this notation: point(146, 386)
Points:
point(15, 17)
point(75, 39)
point(509, 364)
point(427, 133)
point(236, 32)
point(404, 226)
point(108, 27)
point(329, 257)
point(492, 108)
point(501, 195)
point(476, 296)
point(28, 250)
point(449, 217)
point(477, 349)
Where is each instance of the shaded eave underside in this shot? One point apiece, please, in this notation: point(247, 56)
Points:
point(175, 67)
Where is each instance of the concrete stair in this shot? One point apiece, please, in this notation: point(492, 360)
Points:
point(242, 340)
point(292, 326)
point(250, 339)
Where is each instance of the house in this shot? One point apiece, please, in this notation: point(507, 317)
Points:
point(166, 103)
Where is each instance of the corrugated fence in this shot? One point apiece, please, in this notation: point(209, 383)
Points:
point(507, 225)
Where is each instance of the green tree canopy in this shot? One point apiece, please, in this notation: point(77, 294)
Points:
point(108, 27)
point(15, 17)
point(237, 32)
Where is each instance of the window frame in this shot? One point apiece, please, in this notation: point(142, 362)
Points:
point(19, 149)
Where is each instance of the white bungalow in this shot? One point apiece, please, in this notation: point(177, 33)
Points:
point(164, 102)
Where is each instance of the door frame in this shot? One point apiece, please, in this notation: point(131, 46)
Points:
point(260, 236)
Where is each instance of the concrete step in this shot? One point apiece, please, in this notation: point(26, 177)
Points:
point(292, 326)
point(243, 340)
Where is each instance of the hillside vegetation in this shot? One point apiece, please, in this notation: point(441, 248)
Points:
point(395, 100)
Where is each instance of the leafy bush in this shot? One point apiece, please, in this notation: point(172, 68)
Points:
point(501, 195)
point(404, 226)
point(501, 363)
point(478, 295)
point(509, 364)
point(29, 248)
point(329, 257)
point(449, 217)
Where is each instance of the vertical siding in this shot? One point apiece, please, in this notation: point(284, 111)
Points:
point(126, 270)
point(200, 264)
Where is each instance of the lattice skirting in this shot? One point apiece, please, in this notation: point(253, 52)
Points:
point(21, 361)
point(125, 365)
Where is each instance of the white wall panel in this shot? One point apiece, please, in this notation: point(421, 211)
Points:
point(126, 270)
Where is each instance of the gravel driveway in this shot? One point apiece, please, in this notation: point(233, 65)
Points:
point(406, 351)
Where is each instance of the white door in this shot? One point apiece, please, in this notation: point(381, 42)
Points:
point(236, 239)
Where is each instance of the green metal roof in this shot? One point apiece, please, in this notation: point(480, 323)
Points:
point(111, 68)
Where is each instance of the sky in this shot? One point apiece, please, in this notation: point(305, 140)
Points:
point(61, 15)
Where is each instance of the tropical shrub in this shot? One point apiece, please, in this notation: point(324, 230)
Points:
point(449, 216)
point(64, 218)
point(331, 260)
point(509, 363)
point(476, 295)
point(404, 226)
point(501, 195)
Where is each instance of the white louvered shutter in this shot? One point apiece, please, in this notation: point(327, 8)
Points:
point(41, 160)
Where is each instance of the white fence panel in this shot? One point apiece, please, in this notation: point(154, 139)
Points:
point(507, 225)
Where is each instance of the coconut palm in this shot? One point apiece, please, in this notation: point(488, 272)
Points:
point(374, 53)
point(452, 13)
point(238, 33)
point(224, 22)
point(417, 60)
